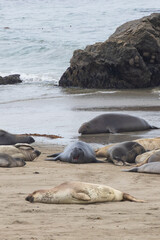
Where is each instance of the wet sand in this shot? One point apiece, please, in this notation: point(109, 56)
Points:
point(62, 111)
point(115, 220)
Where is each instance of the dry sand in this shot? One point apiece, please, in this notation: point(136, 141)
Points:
point(115, 220)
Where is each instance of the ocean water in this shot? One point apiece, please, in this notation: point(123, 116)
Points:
point(37, 40)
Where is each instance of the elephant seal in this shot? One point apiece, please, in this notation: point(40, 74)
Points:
point(20, 150)
point(79, 192)
point(149, 156)
point(155, 157)
point(114, 123)
point(7, 161)
point(125, 152)
point(151, 167)
point(7, 138)
point(148, 144)
point(78, 152)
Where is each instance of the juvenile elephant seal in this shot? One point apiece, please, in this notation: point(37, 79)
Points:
point(80, 192)
point(149, 156)
point(155, 157)
point(148, 144)
point(7, 161)
point(7, 138)
point(20, 150)
point(125, 152)
point(152, 167)
point(114, 123)
point(78, 152)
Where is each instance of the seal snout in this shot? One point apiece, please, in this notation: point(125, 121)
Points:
point(30, 198)
point(31, 140)
point(37, 153)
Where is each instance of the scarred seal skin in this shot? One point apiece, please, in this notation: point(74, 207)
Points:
point(80, 193)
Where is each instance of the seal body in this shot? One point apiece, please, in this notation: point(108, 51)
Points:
point(78, 152)
point(79, 192)
point(155, 157)
point(149, 156)
point(124, 152)
point(19, 150)
point(7, 161)
point(7, 138)
point(151, 167)
point(114, 123)
point(149, 143)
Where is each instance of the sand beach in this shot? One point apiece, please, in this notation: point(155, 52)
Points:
point(21, 220)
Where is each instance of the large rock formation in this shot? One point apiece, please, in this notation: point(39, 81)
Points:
point(11, 79)
point(130, 58)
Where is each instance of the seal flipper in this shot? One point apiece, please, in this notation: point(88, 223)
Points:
point(118, 162)
point(128, 197)
point(81, 196)
point(99, 161)
point(111, 130)
point(51, 159)
point(135, 169)
point(153, 127)
point(55, 154)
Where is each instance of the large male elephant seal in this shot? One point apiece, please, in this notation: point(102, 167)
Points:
point(125, 152)
point(8, 161)
point(78, 152)
point(151, 167)
point(80, 192)
point(114, 123)
point(7, 138)
point(20, 150)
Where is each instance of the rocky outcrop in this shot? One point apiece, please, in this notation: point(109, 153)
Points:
point(11, 79)
point(130, 58)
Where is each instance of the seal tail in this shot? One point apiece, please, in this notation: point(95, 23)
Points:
point(128, 197)
point(153, 127)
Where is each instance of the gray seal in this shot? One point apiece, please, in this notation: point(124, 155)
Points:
point(8, 161)
point(151, 167)
point(78, 152)
point(7, 138)
point(114, 123)
point(125, 152)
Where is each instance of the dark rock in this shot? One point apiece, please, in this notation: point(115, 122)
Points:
point(11, 79)
point(130, 58)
